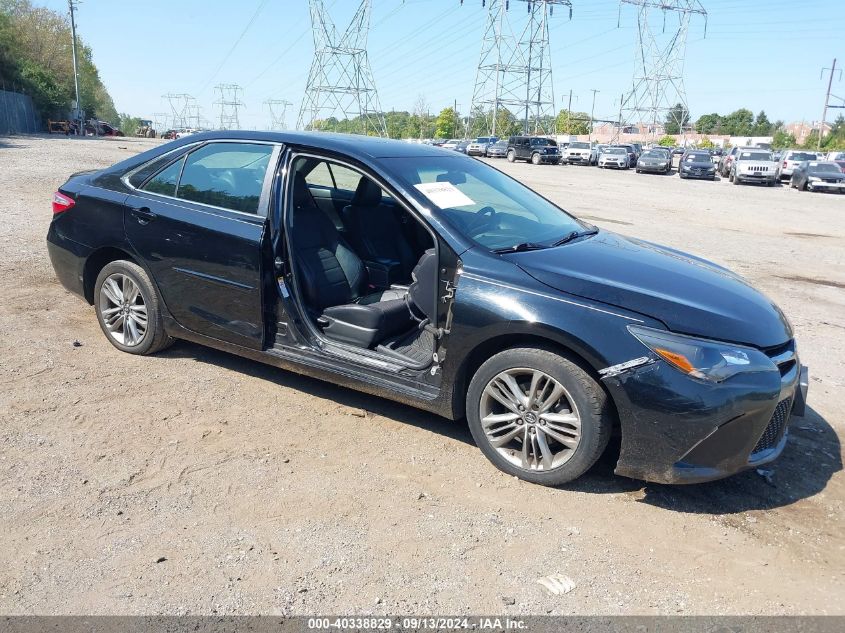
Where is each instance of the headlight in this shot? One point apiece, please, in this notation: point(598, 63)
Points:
point(814, 179)
point(707, 360)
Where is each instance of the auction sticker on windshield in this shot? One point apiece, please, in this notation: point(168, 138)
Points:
point(444, 194)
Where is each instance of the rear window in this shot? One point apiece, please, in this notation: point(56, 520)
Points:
point(800, 156)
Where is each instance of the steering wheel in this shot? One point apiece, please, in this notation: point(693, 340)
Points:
point(485, 217)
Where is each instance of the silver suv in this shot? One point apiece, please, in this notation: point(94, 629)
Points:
point(790, 159)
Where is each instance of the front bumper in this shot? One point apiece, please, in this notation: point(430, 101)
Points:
point(578, 159)
point(475, 151)
point(550, 158)
point(702, 174)
point(614, 165)
point(756, 177)
point(679, 430)
point(827, 186)
point(653, 168)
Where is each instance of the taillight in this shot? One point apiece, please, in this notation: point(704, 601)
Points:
point(62, 203)
point(784, 164)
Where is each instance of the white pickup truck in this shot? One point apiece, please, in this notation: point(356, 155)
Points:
point(754, 165)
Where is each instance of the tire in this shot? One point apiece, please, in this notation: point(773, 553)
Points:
point(511, 156)
point(114, 276)
point(638, 171)
point(581, 397)
point(535, 159)
point(734, 178)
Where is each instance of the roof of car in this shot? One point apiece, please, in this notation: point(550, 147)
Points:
point(352, 144)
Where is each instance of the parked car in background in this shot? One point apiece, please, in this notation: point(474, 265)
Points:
point(790, 159)
point(633, 156)
point(536, 149)
point(654, 161)
point(727, 160)
point(479, 146)
point(754, 165)
point(696, 163)
point(678, 151)
point(818, 176)
point(841, 164)
point(835, 156)
point(462, 147)
point(638, 148)
point(615, 157)
point(225, 239)
point(580, 153)
point(499, 149)
point(452, 143)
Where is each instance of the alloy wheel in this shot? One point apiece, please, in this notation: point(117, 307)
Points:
point(123, 309)
point(530, 419)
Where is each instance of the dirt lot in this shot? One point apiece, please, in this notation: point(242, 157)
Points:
point(198, 482)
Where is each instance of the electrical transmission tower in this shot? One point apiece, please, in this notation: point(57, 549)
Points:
point(229, 103)
point(658, 85)
point(278, 108)
point(160, 122)
point(514, 71)
point(181, 106)
point(341, 83)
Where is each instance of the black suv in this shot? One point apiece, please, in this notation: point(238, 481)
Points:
point(534, 148)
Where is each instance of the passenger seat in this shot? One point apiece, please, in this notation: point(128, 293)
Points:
point(334, 282)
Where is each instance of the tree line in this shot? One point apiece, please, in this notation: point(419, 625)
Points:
point(35, 58)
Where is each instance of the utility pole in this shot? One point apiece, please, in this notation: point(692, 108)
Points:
point(592, 113)
point(569, 114)
point(827, 100)
point(71, 5)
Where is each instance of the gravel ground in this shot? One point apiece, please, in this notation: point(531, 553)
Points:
point(198, 482)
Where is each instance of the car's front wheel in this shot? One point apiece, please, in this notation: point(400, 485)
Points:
point(535, 159)
point(511, 156)
point(127, 308)
point(537, 415)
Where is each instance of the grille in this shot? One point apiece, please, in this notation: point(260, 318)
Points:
point(758, 168)
point(774, 431)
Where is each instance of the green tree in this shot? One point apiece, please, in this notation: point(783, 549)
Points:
point(667, 141)
point(739, 123)
point(572, 122)
point(706, 143)
point(783, 139)
point(708, 124)
point(762, 125)
point(677, 119)
point(446, 124)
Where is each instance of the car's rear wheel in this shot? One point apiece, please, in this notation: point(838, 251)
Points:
point(127, 308)
point(537, 415)
point(535, 159)
point(511, 156)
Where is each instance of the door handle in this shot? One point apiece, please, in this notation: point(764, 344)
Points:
point(143, 215)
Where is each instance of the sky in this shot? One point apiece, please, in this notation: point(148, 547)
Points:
point(758, 55)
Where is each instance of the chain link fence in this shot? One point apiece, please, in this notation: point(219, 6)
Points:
point(17, 114)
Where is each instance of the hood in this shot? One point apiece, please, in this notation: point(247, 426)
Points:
point(829, 175)
point(690, 295)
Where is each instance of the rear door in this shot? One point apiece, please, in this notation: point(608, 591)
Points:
point(199, 226)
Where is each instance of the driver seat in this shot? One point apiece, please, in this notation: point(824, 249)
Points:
point(333, 280)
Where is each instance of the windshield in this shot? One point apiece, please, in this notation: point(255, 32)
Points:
point(824, 167)
point(579, 145)
point(501, 144)
point(615, 150)
point(766, 156)
point(698, 156)
point(483, 139)
point(800, 156)
point(543, 141)
point(653, 153)
point(482, 203)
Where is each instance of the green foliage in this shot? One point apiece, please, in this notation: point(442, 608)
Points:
point(677, 119)
point(709, 124)
point(129, 124)
point(783, 139)
point(446, 125)
point(738, 123)
point(762, 125)
point(35, 57)
point(667, 141)
point(706, 143)
point(572, 122)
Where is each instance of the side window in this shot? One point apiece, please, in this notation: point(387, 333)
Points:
point(345, 177)
point(320, 176)
point(164, 182)
point(227, 175)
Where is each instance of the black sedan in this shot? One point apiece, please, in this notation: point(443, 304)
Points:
point(655, 161)
point(818, 176)
point(421, 275)
point(697, 164)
